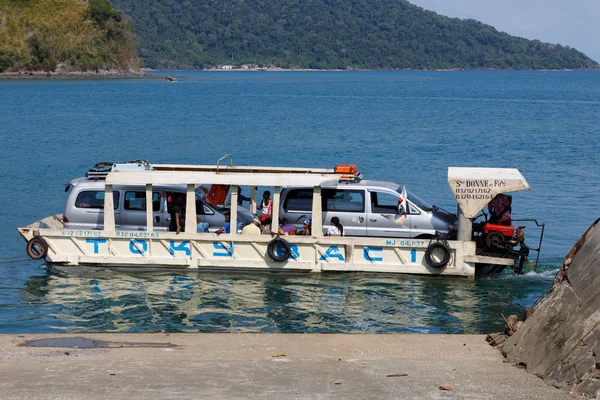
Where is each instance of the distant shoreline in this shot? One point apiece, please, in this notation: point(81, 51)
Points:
point(147, 73)
point(359, 70)
point(107, 74)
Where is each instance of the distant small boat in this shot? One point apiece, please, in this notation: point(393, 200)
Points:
point(170, 79)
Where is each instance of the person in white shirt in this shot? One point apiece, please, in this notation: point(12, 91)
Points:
point(335, 228)
point(266, 206)
point(252, 228)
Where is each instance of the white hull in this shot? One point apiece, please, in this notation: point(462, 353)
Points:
point(142, 250)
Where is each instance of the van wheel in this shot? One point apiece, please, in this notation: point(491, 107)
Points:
point(274, 245)
point(437, 254)
point(37, 248)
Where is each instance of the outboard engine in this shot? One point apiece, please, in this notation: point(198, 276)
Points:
point(499, 236)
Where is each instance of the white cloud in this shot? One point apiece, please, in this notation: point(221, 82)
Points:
point(572, 23)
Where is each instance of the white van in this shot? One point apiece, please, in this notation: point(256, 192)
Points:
point(84, 208)
point(368, 208)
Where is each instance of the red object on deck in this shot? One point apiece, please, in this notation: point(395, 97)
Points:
point(506, 230)
point(217, 194)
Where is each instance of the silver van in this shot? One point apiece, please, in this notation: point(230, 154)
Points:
point(84, 208)
point(368, 208)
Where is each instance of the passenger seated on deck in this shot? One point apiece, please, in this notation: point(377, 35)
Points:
point(306, 228)
point(499, 209)
point(201, 227)
point(253, 228)
point(335, 228)
point(226, 226)
point(286, 227)
point(265, 229)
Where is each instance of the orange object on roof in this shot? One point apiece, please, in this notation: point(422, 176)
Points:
point(217, 194)
point(346, 169)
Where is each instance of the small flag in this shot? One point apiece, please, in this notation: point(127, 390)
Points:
point(403, 200)
point(402, 207)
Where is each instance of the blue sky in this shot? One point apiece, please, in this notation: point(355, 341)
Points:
point(574, 23)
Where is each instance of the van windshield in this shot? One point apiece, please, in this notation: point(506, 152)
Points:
point(200, 194)
point(417, 201)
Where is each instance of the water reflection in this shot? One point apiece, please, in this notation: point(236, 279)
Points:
point(110, 301)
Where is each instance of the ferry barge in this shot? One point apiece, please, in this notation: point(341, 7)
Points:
point(473, 251)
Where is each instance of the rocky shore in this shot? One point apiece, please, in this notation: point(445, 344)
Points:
point(559, 338)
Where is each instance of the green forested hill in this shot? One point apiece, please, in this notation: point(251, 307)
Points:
point(65, 35)
point(371, 34)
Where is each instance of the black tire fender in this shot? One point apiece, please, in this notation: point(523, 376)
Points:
point(272, 249)
point(37, 248)
point(436, 246)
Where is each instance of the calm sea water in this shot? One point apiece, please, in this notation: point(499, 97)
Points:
point(406, 127)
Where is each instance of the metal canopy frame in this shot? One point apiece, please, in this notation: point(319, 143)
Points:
point(192, 175)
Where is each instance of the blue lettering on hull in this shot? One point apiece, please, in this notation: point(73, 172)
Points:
point(332, 252)
point(137, 246)
point(295, 252)
point(370, 257)
point(96, 242)
point(225, 251)
point(183, 246)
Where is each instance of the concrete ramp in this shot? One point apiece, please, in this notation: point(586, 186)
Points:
point(261, 366)
point(560, 340)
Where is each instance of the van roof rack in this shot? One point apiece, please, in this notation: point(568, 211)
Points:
point(351, 178)
point(102, 169)
point(99, 171)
